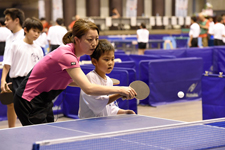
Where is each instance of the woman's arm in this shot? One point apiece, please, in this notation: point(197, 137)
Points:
point(93, 89)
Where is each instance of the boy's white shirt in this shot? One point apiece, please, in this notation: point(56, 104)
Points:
point(55, 34)
point(12, 38)
point(22, 58)
point(96, 106)
point(5, 33)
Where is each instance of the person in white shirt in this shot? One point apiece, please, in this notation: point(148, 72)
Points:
point(5, 33)
point(14, 19)
point(101, 105)
point(193, 33)
point(55, 34)
point(142, 38)
point(219, 32)
point(42, 41)
point(211, 24)
point(23, 55)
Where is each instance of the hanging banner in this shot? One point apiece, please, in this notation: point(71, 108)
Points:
point(131, 8)
point(41, 9)
point(57, 9)
point(181, 8)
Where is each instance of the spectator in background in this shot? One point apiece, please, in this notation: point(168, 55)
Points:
point(219, 32)
point(45, 24)
point(194, 33)
point(211, 24)
point(115, 13)
point(142, 38)
point(223, 18)
point(55, 34)
point(70, 27)
point(5, 32)
point(204, 26)
point(42, 41)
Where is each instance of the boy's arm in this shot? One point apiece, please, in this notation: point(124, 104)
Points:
point(122, 111)
point(113, 97)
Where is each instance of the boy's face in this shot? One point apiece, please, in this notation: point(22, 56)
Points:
point(32, 34)
point(105, 63)
point(10, 23)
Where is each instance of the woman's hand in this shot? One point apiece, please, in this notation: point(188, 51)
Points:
point(128, 92)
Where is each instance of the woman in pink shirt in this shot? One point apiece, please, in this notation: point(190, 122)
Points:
point(60, 68)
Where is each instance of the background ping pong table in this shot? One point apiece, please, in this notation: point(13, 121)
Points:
point(210, 136)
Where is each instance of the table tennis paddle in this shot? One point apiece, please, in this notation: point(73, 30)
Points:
point(6, 98)
point(141, 88)
point(115, 81)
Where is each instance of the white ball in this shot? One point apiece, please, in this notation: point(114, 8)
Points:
point(180, 94)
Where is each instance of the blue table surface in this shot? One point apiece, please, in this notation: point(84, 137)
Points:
point(24, 137)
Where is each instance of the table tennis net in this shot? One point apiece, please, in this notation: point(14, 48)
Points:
point(207, 134)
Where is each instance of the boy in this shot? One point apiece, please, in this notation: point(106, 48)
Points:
point(99, 106)
point(194, 33)
point(14, 19)
point(23, 54)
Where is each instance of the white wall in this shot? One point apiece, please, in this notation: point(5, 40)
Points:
point(81, 8)
point(148, 8)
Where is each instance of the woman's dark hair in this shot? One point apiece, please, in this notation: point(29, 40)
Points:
point(80, 28)
point(103, 47)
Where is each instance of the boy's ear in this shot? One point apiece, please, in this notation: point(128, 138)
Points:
point(17, 20)
point(25, 30)
point(94, 61)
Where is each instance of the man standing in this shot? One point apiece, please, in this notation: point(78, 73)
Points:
point(194, 33)
point(204, 26)
point(219, 32)
point(55, 34)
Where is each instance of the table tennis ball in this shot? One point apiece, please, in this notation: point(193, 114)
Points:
point(180, 94)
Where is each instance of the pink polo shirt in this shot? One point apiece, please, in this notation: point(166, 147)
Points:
point(49, 76)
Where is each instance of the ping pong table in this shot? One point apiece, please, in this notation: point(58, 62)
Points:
point(23, 138)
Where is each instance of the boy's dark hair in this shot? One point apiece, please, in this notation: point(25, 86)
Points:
point(15, 13)
point(219, 19)
point(2, 21)
point(194, 18)
point(143, 25)
point(103, 47)
point(33, 23)
point(59, 21)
